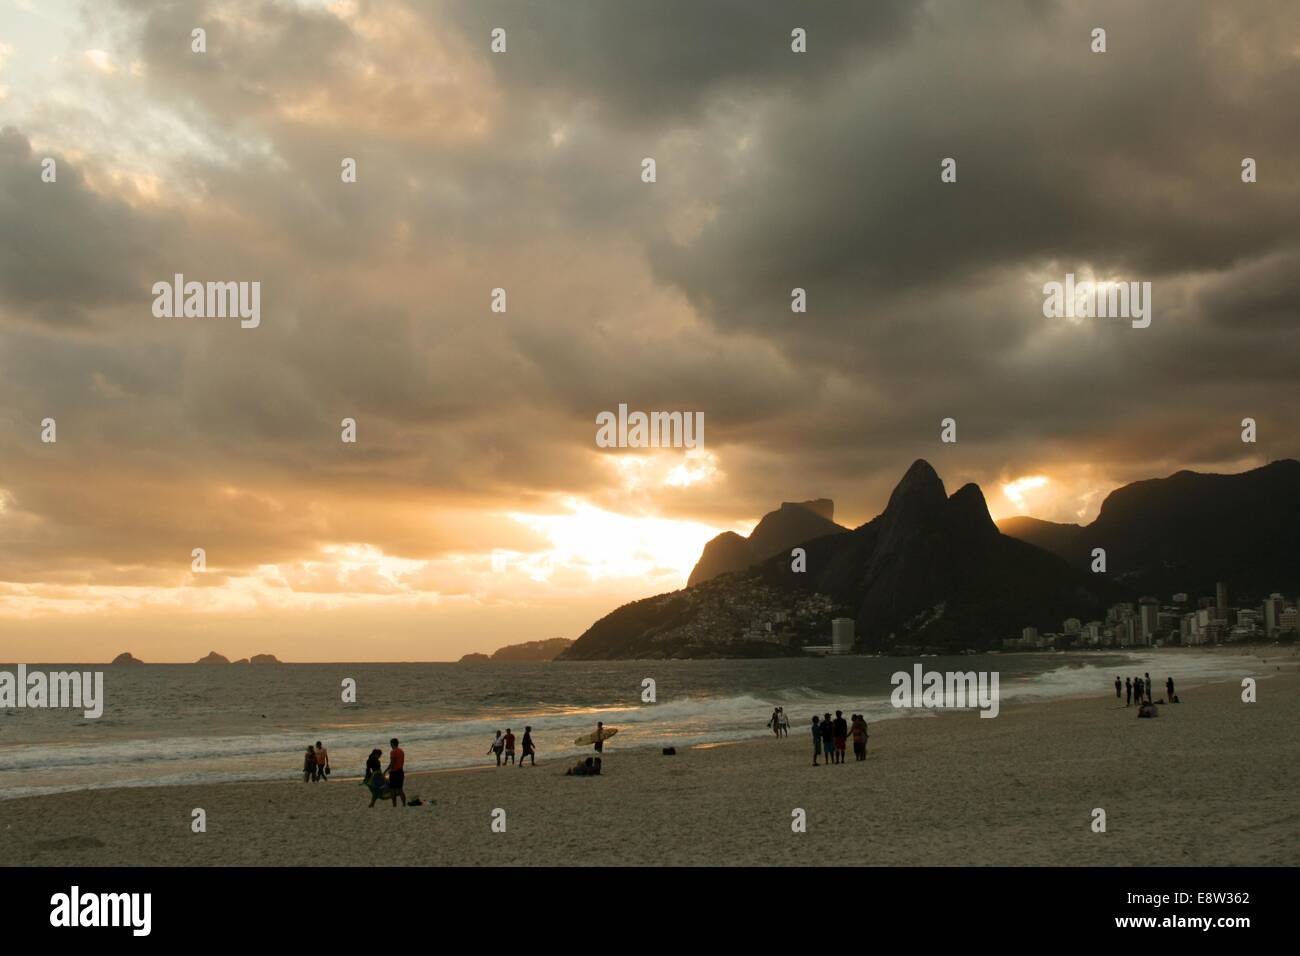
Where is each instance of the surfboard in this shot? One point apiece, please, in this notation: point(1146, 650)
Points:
point(591, 738)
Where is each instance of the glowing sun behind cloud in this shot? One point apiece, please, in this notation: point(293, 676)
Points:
point(1020, 491)
point(602, 544)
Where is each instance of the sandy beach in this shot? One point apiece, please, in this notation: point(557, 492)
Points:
point(1211, 781)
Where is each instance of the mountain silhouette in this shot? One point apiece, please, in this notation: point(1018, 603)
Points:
point(1189, 531)
point(929, 571)
point(778, 531)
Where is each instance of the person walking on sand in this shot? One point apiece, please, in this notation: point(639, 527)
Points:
point(785, 722)
point(1119, 689)
point(817, 741)
point(396, 771)
point(775, 722)
point(529, 752)
point(1169, 688)
point(510, 746)
point(1128, 691)
point(841, 728)
point(497, 746)
point(309, 765)
point(322, 761)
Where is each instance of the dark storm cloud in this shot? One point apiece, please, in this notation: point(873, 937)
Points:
point(64, 250)
point(664, 62)
point(776, 170)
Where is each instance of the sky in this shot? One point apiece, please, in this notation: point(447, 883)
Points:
point(475, 508)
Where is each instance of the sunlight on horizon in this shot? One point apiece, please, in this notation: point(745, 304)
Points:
point(603, 544)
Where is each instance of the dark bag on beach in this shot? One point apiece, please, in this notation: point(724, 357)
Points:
point(670, 751)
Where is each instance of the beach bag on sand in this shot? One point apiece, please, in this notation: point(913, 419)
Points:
point(670, 751)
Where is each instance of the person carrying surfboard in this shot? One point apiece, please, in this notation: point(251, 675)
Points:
point(600, 737)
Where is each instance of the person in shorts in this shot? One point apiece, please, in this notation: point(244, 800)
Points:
point(396, 772)
point(828, 738)
point(841, 729)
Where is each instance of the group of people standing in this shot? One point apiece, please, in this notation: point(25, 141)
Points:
point(1138, 690)
point(504, 748)
point(830, 737)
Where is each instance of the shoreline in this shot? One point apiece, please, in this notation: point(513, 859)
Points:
point(649, 737)
point(1206, 783)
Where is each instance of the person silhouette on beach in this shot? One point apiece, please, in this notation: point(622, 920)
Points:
point(841, 729)
point(373, 765)
point(1169, 688)
point(396, 771)
point(828, 737)
point(510, 746)
point(859, 731)
point(529, 752)
point(498, 745)
point(1128, 691)
point(600, 736)
point(1150, 690)
point(817, 740)
point(309, 765)
point(1119, 689)
point(775, 722)
point(785, 722)
point(583, 768)
point(322, 761)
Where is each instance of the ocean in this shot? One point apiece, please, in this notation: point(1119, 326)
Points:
point(167, 724)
